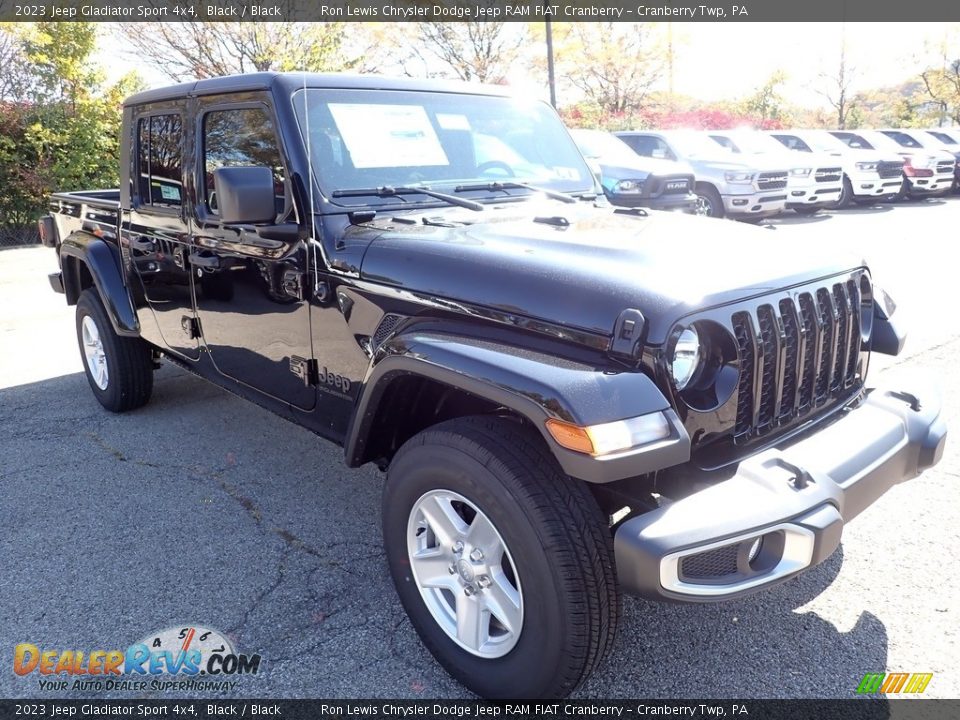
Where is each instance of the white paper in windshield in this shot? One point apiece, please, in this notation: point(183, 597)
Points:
point(380, 136)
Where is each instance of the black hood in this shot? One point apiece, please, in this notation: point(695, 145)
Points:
point(585, 273)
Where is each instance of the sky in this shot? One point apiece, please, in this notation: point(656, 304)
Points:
point(716, 61)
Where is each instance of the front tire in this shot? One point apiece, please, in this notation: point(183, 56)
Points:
point(503, 563)
point(846, 195)
point(709, 202)
point(119, 369)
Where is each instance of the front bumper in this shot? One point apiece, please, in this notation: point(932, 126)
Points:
point(755, 204)
point(869, 185)
point(920, 186)
point(796, 499)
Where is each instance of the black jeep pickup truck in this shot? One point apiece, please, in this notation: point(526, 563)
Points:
point(568, 399)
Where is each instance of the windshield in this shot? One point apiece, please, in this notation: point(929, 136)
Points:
point(596, 144)
point(375, 138)
point(693, 144)
point(749, 142)
point(825, 142)
point(901, 138)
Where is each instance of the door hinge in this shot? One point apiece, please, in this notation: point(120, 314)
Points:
point(191, 326)
point(292, 284)
point(307, 370)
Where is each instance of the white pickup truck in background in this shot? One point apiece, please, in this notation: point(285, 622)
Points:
point(927, 167)
point(869, 175)
point(815, 181)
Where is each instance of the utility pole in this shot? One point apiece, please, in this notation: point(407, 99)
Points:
point(551, 79)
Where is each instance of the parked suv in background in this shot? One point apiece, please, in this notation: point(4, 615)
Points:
point(950, 140)
point(926, 171)
point(868, 174)
point(727, 184)
point(633, 181)
point(815, 180)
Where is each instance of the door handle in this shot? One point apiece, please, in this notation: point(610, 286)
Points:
point(142, 244)
point(211, 262)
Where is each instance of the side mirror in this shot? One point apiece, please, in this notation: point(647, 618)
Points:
point(245, 195)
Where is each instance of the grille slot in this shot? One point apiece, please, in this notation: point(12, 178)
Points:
point(772, 180)
point(945, 166)
point(712, 564)
point(797, 355)
point(828, 174)
point(889, 169)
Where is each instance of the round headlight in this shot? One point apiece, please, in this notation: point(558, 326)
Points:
point(685, 358)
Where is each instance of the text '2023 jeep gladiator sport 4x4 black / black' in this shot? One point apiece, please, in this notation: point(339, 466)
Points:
point(568, 399)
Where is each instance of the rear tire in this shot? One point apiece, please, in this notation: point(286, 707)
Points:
point(556, 560)
point(119, 369)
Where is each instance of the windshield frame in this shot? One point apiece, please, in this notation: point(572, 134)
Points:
point(570, 157)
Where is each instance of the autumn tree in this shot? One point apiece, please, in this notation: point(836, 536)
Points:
point(837, 87)
point(64, 132)
point(198, 50)
point(472, 51)
point(943, 87)
point(613, 65)
point(767, 104)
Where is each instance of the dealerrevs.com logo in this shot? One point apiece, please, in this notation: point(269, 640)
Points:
point(182, 658)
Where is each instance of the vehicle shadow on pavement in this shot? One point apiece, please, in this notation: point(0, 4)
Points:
point(794, 219)
point(758, 647)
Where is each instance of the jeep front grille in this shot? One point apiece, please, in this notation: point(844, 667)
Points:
point(889, 169)
point(795, 355)
point(832, 174)
point(772, 180)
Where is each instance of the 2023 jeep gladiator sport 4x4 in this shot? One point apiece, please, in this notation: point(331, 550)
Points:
point(568, 399)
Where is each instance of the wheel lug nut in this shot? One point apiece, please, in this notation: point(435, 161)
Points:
point(458, 547)
point(484, 581)
point(468, 590)
point(476, 555)
point(452, 569)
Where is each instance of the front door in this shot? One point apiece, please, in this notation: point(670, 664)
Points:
point(249, 292)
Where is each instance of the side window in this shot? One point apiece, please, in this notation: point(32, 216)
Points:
point(662, 150)
point(641, 144)
point(160, 160)
point(241, 137)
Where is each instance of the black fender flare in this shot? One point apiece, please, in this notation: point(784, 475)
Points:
point(103, 263)
point(536, 387)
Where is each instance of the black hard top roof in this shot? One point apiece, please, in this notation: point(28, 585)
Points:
point(289, 82)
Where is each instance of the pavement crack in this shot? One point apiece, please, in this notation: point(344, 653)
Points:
point(237, 630)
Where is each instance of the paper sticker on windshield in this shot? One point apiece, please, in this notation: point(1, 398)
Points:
point(380, 136)
point(448, 121)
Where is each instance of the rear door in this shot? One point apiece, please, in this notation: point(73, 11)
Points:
point(157, 232)
point(249, 292)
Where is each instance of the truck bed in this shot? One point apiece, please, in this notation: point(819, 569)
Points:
point(97, 211)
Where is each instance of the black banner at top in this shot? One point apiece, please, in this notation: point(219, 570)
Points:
point(479, 10)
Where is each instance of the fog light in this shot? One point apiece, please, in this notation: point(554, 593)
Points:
point(740, 202)
point(754, 549)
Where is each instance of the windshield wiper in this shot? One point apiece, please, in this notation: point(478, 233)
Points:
point(390, 191)
point(516, 185)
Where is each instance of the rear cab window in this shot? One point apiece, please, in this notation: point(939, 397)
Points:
point(160, 161)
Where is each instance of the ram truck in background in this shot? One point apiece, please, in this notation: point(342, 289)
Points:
point(926, 171)
point(727, 185)
point(815, 181)
point(630, 180)
point(949, 139)
point(869, 175)
point(570, 400)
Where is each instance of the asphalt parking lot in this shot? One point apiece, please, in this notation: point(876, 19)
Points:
point(203, 509)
